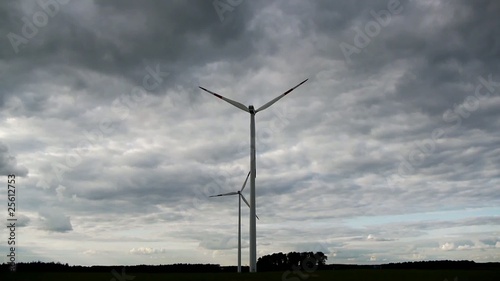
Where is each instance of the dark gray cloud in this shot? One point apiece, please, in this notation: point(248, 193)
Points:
point(53, 220)
point(8, 163)
point(22, 220)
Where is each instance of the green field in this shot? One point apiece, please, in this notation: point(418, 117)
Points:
point(340, 275)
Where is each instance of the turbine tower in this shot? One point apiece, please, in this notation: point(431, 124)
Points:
point(253, 170)
point(239, 192)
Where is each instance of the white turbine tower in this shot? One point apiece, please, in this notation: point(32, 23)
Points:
point(239, 192)
point(253, 170)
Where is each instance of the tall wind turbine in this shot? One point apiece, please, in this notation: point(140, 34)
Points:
point(239, 192)
point(253, 170)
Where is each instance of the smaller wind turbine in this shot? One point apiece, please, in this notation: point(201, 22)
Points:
point(239, 215)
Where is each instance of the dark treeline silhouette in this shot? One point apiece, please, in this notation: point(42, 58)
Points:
point(272, 262)
point(281, 261)
point(442, 264)
point(59, 267)
point(427, 265)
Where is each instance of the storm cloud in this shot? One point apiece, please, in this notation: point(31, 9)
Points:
point(388, 153)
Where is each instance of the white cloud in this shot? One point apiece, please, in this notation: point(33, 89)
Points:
point(89, 252)
point(465, 247)
point(448, 246)
point(146, 251)
point(60, 192)
point(373, 238)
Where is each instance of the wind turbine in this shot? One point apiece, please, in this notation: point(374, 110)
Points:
point(253, 170)
point(239, 192)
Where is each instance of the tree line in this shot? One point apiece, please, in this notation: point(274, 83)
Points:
point(281, 261)
point(39, 266)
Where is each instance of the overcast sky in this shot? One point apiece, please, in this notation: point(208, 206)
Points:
point(390, 152)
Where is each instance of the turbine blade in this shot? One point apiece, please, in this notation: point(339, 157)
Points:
point(279, 97)
point(235, 103)
point(225, 194)
point(245, 200)
point(245, 183)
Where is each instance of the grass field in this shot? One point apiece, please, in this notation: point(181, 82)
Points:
point(340, 275)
